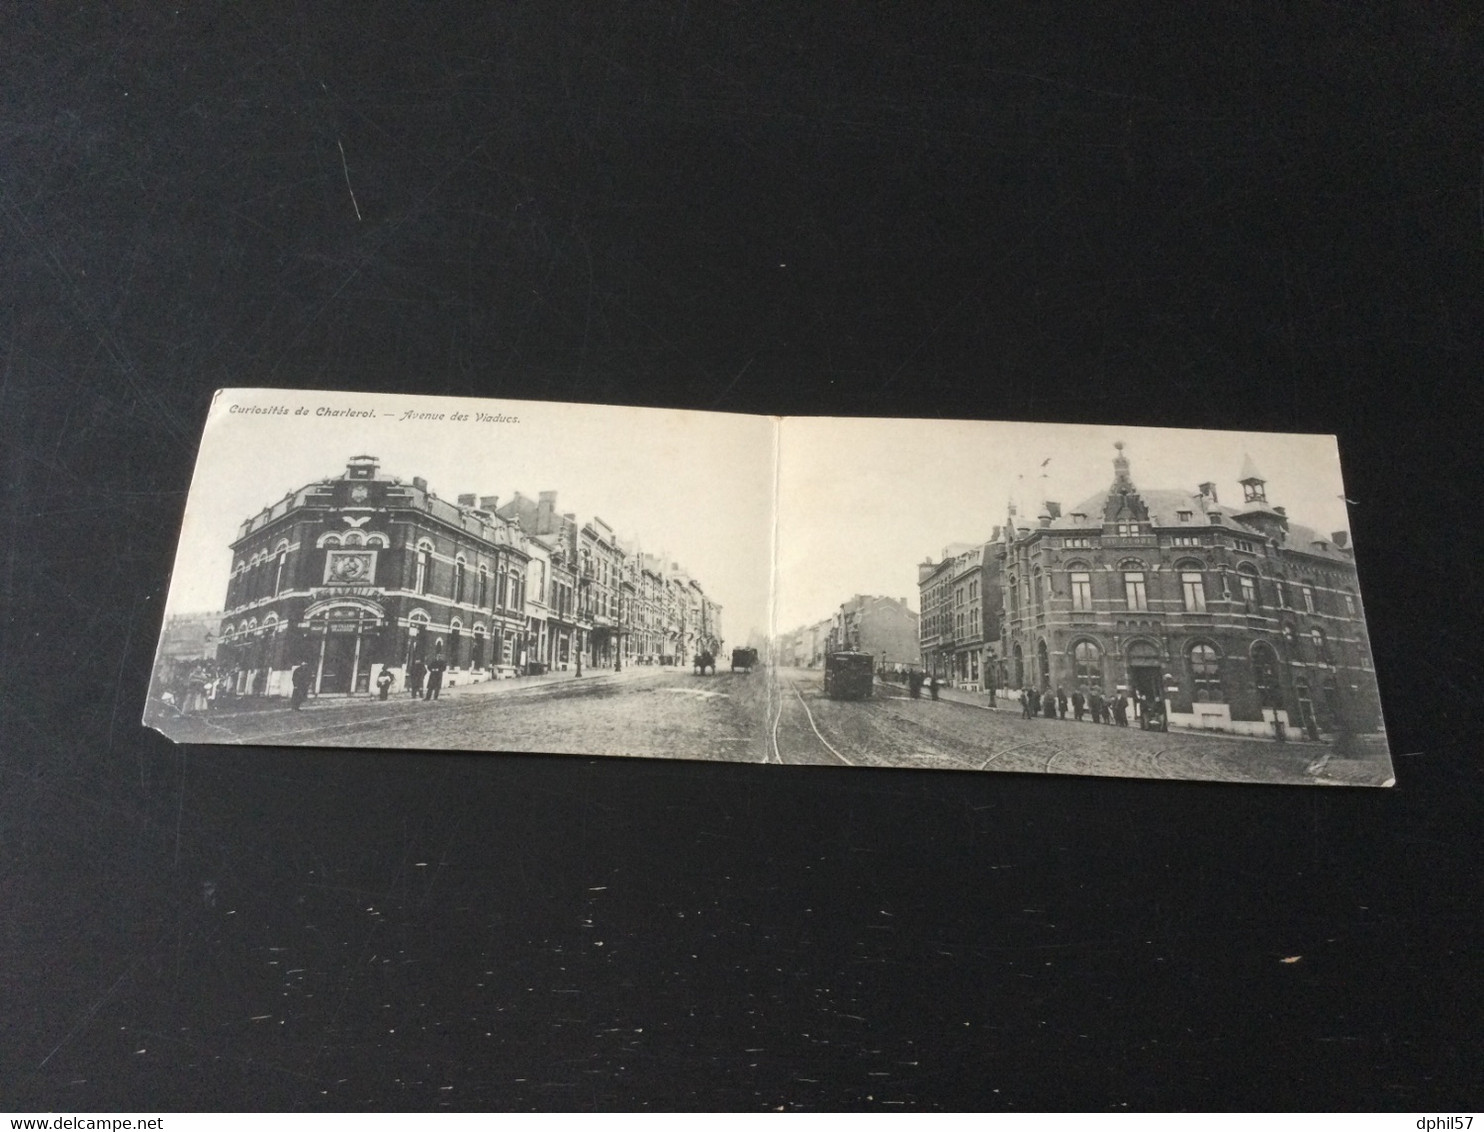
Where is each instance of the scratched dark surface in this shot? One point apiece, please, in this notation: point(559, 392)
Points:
point(1246, 217)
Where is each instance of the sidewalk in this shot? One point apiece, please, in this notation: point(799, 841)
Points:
point(256, 705)
point(1004, 703)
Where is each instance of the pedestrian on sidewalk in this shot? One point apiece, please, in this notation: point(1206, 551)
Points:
point(914, 684)
point(383, 682)
point(415, 673)
point(1095, 705)
point(1079, 704)
point(1035, 698)
point(300, 680)
point(1120, 712)
point(1025, 703)
point(1048, 703)
point(436, 667)
point(933, 687)
point(1061, 704)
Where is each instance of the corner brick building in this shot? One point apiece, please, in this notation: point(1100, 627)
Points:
point(1235, 616)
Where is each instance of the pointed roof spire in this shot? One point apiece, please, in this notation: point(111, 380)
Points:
point(1254, 487)
point(1121, 478)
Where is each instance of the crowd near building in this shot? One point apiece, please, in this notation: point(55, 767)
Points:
point(362, 571)
point(1230, 616)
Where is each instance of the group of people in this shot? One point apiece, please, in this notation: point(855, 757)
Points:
point(1093, 706)
point(422, 680)
point(915, 681)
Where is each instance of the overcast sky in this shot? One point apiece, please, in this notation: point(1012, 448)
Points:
point(863, 501)
point(697, 486)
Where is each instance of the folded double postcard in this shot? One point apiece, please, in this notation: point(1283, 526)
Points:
point(369, 570)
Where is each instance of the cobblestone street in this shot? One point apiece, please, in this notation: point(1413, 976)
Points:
point(781, 717)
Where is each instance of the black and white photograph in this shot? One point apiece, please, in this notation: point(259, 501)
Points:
point(469, 575)
point(864, 593)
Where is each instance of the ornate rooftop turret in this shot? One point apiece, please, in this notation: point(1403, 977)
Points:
point(1254, 487)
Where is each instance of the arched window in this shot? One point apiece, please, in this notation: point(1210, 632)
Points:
point(424, 577)
point(477, 660)
point(1307, 592)
point(283, 559)
point(1265, 675)
point(1135, 593)
point(1087, 664)
point(482, 595)
point(455, 639)
point(1043, 663)
point(354, 538)
point(460, 569)
point(1205, 674)
point(1193, 591)
point(417, 631)
point(1079, 582)
point(1247, 580)
point(376, 540)
point(1019, 667)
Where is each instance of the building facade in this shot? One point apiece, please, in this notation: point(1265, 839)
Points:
point(959, 597)
point(360, 571)
point(885, 627)
point(1235, 617)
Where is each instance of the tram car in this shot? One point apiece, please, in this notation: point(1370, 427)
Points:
point(744, 660)
point(849, 675)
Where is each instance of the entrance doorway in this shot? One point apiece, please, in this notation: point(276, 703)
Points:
point(1143, 671)
point(342, 653)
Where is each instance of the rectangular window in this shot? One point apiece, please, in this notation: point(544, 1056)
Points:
point(1082, 593)
point(1194, 591)
point(1134, 592)
point(1350, 605)
point(1249, 589)
point(1308, 592)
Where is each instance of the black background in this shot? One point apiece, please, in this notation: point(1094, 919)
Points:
point(1245, 216)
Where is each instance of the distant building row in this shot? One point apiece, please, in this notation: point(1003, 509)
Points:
point(885, 627)
point(1237, 617)
point(362, 570)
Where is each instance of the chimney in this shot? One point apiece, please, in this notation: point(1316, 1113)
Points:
point(489, 502)
point(1342, 538)
point(420, 483)
point(467, 499)
point(1053, 509)
point(1282, 511)
point(545, 510)
point(1044, 518)
point(1209, 491)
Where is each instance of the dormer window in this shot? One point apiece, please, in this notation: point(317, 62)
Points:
point(1185, 516)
